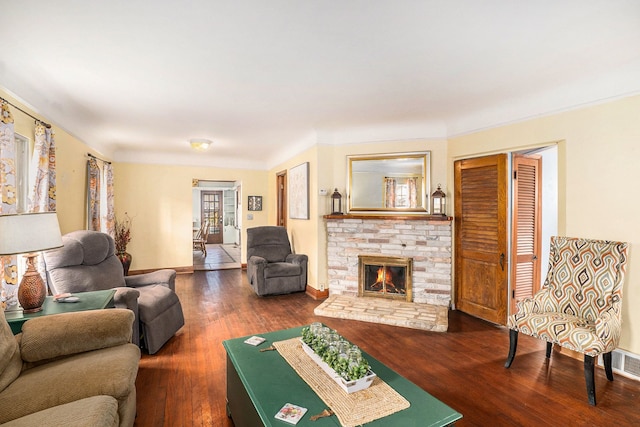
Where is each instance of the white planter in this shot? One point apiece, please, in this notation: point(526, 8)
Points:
point(348, 386)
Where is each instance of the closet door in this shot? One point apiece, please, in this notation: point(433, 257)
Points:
point(481, 238)
point(526, 231)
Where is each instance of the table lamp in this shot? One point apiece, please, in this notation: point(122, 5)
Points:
point(28, 234)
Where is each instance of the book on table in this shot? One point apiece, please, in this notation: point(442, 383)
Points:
point(291, 413)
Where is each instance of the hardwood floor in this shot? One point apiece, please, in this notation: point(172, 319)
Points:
point(184, 383)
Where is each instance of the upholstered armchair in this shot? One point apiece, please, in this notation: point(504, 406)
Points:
point(87, 262)
point(271, 267)
point(579, 305)
point(71, 369)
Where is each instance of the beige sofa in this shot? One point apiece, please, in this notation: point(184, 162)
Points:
point(73, 369)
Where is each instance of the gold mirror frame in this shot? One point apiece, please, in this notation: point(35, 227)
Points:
point(389, 183)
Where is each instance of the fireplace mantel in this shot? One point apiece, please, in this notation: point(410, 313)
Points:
point(405, 217)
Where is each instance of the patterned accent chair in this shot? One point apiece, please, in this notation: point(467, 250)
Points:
point(579, 305)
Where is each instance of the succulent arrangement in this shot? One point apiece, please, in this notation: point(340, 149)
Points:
point(342, 356)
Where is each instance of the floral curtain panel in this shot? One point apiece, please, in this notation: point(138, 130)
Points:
point(8, 264)
point(42, 173)
point(93, 196)
point(42, 197)
point(109, 216)
point(413, 192)
point(390, 192)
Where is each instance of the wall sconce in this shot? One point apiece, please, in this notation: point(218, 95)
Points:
point(27, 234)
point(336, 203)
point(438, 202)
point(200, 144)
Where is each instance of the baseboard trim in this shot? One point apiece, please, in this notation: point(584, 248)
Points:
point(316, 294)
point(179, 270)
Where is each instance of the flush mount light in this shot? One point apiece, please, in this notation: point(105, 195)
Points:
point(200, 144)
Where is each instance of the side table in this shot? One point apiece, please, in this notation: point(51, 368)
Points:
point(94, 300)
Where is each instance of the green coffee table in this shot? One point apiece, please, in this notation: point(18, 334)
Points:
point(259, 384)
point(94, 300)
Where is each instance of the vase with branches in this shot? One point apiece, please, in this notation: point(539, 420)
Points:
point(122, 237)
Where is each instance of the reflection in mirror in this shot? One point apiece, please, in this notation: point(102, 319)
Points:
point(396, 182)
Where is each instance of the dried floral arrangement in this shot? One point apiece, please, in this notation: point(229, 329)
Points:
point(122, 233)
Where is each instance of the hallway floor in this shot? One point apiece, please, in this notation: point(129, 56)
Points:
point(219, 257)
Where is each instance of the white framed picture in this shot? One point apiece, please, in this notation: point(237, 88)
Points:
point(299, 191)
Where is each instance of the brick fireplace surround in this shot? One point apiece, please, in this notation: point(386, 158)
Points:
point(424, 238)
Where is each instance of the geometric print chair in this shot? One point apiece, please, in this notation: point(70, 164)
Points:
point(579, 306)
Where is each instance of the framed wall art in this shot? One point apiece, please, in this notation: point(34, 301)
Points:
point(255, 203)
point(299, 191)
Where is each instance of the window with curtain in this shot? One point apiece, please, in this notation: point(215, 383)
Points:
point(27, 184)
point(100, 210)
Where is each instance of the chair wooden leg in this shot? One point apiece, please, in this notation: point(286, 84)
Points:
point(549, 348)
point(589, 362)
point(606, 359)
point(513, 344)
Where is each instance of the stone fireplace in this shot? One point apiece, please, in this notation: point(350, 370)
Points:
point(385, 277)
point(425, 239)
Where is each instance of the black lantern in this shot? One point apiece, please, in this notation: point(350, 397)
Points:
point(336, 203)
point(439, 202)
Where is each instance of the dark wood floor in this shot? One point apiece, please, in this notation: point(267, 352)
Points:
point(184, 383)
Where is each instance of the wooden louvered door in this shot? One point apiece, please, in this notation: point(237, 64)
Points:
point(526, 230)
point(481, 207)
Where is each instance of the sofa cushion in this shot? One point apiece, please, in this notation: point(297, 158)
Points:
point(281, 269)
point(154, 300)
point(10, 361)
point(95, 411)
point(110, 371)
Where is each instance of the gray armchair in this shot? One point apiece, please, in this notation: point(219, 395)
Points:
point(271, 267)
point(87, 262)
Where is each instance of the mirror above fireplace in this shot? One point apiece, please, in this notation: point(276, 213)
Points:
point(389, 183)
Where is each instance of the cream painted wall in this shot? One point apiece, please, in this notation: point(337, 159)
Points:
point(598, 158)
point(328, 170)
point(159, 199)
point(303, 233)
point(71, 157)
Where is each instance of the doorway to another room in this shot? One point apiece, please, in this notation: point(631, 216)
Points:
point(216, 225)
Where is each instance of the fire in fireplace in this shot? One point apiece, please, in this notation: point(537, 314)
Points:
point(385, 276)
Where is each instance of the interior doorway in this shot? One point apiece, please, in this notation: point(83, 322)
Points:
point(216, 206)
point(281, 191)
point(506, 210)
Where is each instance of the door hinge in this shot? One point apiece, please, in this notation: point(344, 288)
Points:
point(515, 174)
point(513, 293)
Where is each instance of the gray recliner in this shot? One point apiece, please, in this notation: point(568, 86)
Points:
point(87, 262)
point(271, 267)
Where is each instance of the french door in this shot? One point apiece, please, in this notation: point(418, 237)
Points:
point(211, 205)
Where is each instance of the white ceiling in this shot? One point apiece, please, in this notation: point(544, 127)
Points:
point(136, 79)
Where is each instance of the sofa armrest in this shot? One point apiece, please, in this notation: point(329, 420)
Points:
point(126, 298)
point(165, 277)
point(298, 259)
point(71, 333)
point(255, 269)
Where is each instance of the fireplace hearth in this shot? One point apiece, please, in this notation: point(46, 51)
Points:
point(385, 277)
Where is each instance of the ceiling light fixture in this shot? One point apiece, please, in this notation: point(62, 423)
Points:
point(200, 144)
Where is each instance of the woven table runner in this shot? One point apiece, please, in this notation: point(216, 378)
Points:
point(352, 409)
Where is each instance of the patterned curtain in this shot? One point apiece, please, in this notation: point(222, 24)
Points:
point(8, 264)
point(389, 192)
point(42, 197)
point(110, 216)
point(42, 172)
point(93, 195)
point(413, 192)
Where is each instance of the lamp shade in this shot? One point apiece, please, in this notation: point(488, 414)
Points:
point(25, 233)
